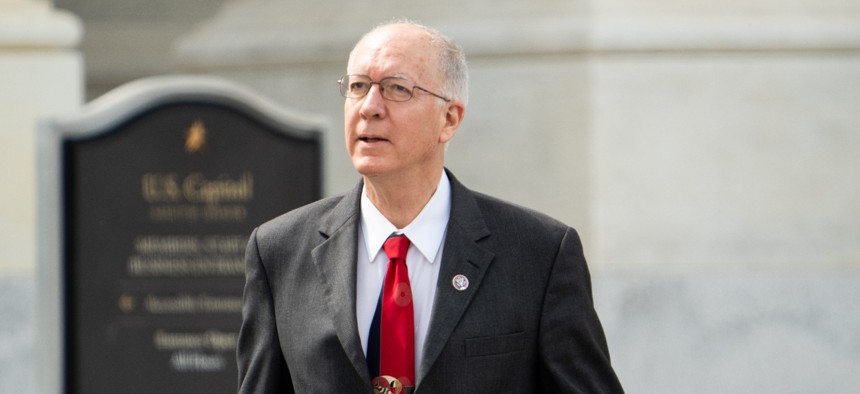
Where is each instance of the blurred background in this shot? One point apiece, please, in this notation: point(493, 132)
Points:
point(708, 152)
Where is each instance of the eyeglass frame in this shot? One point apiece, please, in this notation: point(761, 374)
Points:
point(345, 89)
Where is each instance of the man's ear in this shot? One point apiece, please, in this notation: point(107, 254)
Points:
point(456, 110)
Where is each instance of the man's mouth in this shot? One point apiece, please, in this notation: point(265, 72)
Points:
point(371, 139)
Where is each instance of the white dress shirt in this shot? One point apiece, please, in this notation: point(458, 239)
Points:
point(423, 260)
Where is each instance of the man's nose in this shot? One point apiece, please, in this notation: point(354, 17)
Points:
point(373, 104)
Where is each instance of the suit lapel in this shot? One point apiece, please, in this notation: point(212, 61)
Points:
point(335, 258)
point(461, 256)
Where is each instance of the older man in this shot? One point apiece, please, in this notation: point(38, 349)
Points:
point(411, 281)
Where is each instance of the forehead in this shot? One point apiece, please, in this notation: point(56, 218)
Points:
point(398, 50)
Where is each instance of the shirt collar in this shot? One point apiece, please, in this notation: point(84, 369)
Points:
point(426, 232)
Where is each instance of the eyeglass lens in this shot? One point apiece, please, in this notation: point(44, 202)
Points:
point(392, 88)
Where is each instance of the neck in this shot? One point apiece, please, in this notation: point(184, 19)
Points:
point(401, 198)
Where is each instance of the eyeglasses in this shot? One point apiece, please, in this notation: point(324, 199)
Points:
point(391, 88)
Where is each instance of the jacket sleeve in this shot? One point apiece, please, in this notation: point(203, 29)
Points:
point(574, 357)
point(262, 368)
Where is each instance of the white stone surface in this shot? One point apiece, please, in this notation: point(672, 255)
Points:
point(18, 372)
point(40, 75)
point(525, 135)
point(127, 40)
point(33, 23)
point(730, 159)
point(282, 34)
point(748, 333)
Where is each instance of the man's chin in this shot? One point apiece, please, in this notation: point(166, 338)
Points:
point(370, 168)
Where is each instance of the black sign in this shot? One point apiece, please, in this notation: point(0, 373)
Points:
point(157, 214)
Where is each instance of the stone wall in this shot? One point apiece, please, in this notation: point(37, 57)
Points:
point(41, 74)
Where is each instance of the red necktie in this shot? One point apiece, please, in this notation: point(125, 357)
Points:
point(396, 331)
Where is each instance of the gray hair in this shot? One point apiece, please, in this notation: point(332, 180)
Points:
point(452, 59)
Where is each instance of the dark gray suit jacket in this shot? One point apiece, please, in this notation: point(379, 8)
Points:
point(526, 322)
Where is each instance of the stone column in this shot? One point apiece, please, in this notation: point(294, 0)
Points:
point(41, 74)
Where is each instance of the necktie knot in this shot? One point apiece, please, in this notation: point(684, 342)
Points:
point(396, 247)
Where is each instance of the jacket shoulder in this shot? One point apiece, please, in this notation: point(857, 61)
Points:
point(500, 213)
point(300, 220)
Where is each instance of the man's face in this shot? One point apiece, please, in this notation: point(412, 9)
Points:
point(398, 138)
